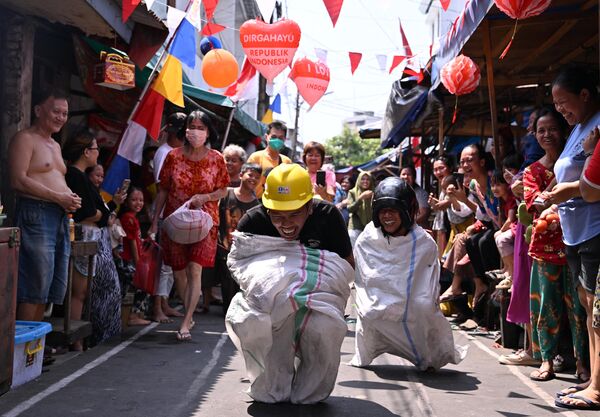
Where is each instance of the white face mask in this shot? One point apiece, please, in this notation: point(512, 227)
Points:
point(196, 137)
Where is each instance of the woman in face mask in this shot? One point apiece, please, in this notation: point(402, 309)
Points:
point(197, 173)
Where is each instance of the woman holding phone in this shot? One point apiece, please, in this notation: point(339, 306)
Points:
point(323, 181)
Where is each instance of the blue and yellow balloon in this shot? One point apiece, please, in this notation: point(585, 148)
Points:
point(209, 43)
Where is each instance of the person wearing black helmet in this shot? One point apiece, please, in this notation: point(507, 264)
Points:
point(397, 285)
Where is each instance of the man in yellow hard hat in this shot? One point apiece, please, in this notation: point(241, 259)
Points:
point(289, 211)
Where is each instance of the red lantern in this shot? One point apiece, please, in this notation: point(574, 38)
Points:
point(270, 48)
point(311, 78)
point(219, 68)
point(520, 9)
point(460, 76)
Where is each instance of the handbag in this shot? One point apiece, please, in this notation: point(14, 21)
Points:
point(186, 225)
point(147, 268)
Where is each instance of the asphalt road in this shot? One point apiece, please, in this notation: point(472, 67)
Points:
point(147, 373)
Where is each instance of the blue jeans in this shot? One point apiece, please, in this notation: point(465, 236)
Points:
point(44, 252)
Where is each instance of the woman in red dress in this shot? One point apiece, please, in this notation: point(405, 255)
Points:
point(193, 172)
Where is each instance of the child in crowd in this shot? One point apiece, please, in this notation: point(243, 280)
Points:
point(505, 237)
point(132, 246)
point(459, 214)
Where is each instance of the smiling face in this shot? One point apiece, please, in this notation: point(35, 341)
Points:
point(548, 133)
point(345, 184)
point(96, 176)
point(135, 201)
point(499, 189)
point(289, 224)
point(249, 179)
point(573, 107)
point(440, 170)
point(233, 163)
point(52, 114)
point(365, 182)
point(391, 222)
point(313, 160)
point(471, 164)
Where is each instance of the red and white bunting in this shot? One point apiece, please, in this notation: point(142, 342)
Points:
point(333, 8)
point(355, 58)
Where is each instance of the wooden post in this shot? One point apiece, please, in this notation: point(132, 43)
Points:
point(441, 130)
point(489, 70)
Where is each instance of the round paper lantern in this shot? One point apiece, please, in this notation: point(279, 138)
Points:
point(209, 43)
point(270, 48)
point(311, 78)
point(219, 68)
point(520, 9)
point(460, 76)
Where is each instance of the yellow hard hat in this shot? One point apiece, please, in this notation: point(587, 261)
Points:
point(288, 188)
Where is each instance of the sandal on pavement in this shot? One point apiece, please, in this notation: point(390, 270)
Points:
point(519, 359)
point(545, 375)
point(184, 336)
point(584, 404)
point(573, 389)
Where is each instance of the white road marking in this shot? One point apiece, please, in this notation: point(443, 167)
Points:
point(547, 398)
point(24, 406)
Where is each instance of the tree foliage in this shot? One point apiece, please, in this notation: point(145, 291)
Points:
point(349, 149)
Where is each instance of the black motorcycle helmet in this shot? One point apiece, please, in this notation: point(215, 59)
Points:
point(395, 193)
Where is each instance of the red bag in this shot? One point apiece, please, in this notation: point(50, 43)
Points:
point(147, 269)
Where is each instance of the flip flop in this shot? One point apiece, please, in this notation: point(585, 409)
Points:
point(575, 388)
point(538, 375)
point(184, 336)
point(444, 298)
point(587, 403)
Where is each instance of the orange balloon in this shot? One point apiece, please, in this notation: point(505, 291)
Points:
point(219, 68)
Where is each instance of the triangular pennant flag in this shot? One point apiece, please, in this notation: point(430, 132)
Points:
point(184, 44)
point(382, 61)
point(268, 117)
point(169, 82)
point(174, 18)
point(149, 4)
point(417, 75)
point(128, 8)
point(355, 58)
point(405, 44)
point(397, 60)
point(212, 29)
point(193, 14)
point(445, 4)
point(321, 55)
point(209, 8)
point(266, 8)
point(247, 73)
point(276, 104)
point(149, 113)
point(333, 8)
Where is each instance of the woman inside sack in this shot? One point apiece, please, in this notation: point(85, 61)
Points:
point(81, 151)
point(396, 296)
point(130, 256)
point(196, 174)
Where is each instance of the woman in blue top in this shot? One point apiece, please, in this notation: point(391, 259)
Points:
point(575, 96)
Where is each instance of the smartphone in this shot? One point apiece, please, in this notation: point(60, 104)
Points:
point(460, 178)
point(321, 178)
point(125, 185)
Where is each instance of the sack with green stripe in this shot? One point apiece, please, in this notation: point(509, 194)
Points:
point(288, 319)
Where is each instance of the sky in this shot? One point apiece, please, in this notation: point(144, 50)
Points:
point(370, 27)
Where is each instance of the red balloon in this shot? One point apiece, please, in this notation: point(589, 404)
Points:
point(461, 75)
point(311, 78)
point(270, 48)
point(522, 9)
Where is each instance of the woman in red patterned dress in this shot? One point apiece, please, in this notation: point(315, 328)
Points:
point(193, 172)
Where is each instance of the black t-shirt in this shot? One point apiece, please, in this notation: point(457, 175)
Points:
point(324, 228)
point(91, 200)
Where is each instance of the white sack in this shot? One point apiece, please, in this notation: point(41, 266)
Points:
point(186, 225)
point(397, 288)
point(288, 319)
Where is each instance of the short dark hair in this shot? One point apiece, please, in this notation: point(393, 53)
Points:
point(312, 145)
point(412, 170)
point(551, 111)
point(77, 143)
point(41, 96)
point(175, 122)
point(446, 161)
point(251, 167)
point(498, 177)
point(513, 161)
point(575, 78)
point(277, 124)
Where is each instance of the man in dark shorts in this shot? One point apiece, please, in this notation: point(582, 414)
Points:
point(37, 174)
point(289, 211)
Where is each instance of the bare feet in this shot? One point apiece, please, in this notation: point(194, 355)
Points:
point(171, 312)
point(135, 320)
point(162, 318)
point(450, 294)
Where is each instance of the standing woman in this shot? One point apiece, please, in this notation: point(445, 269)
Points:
point(552, 290)
point(313, 157)
point(441, 169)
point(360, 205)
point(81, 151)
point(197, 173)
point(575, 96)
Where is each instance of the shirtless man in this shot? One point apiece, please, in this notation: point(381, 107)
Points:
point(37, 173)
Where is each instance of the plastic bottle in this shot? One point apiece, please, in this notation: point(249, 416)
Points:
point(71, 228)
